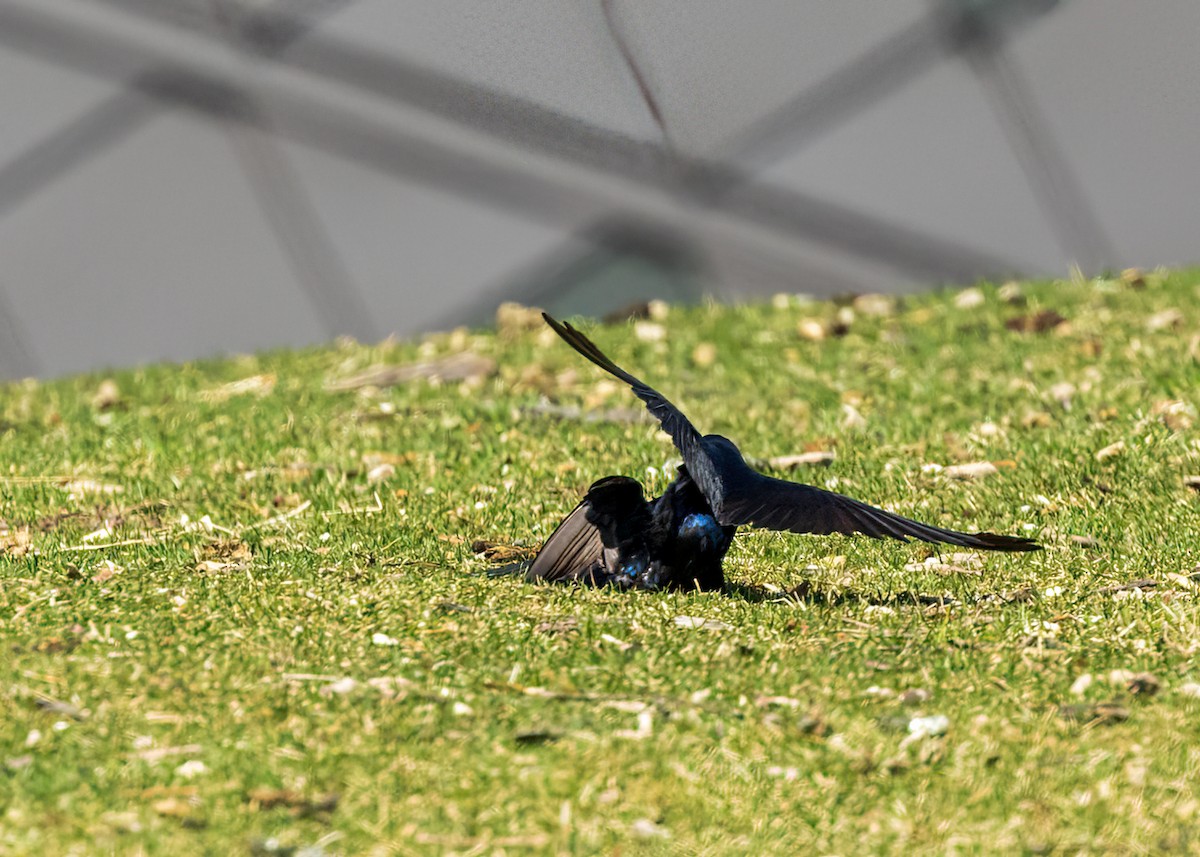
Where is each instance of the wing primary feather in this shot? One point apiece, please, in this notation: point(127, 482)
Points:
point(791, 506)
point(571, 550)
point(674, 423)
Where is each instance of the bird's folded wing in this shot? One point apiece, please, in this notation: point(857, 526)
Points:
point(776, 504)
point(616, 507)
point(572, 549)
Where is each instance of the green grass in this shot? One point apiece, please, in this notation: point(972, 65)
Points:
point(496, 717)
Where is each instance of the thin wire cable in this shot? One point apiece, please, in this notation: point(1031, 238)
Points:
point(616, 31)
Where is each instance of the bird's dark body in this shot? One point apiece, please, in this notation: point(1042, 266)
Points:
point(616, 537)
point(679, 540)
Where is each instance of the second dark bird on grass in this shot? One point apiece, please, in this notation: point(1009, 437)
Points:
point(679, 540)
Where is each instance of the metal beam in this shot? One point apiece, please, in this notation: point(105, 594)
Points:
point(505, 118)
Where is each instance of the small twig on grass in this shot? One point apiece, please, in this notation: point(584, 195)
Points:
point(361, 510)
point(37, 480)
point(657, 700)
point(155, 754)
point(20, 611)
point(573, 412)
point(309, 677)
point(145, 540)
point(279, 519)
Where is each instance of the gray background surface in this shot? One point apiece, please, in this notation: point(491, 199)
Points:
point(403, 166)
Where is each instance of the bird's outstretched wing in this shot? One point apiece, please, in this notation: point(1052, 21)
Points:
point(775, 504)
point(674, 423)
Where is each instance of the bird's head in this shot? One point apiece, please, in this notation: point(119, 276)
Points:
point(722, 449)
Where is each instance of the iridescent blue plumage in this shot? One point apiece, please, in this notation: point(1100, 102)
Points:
point(704, 529)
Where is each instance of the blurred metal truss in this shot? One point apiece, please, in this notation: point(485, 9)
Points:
point(463, 137)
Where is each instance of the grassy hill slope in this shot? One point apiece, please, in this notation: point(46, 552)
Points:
point(241, 612)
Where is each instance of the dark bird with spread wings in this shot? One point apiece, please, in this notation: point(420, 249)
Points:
point(615, 536)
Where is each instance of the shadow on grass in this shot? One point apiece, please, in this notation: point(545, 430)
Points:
point(810, 593)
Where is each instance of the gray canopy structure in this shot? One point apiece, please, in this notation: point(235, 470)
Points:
point(182, 178)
